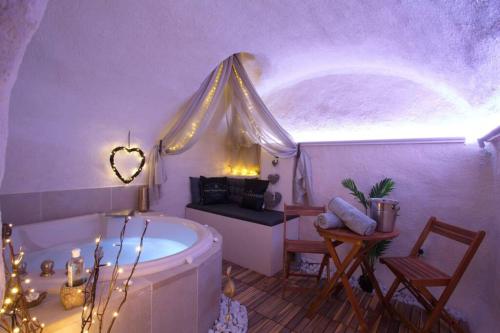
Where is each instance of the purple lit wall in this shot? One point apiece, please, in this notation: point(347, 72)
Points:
point(452, 181)
point(328, 70)
point(18, 22)
point(96, 69)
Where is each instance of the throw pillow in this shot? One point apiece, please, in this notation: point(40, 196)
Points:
point(253, 195)
point(213, 190)
point(194, 185)
point(235, 187)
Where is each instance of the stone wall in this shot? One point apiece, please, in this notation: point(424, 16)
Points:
point(454, 182)
point(18, 22)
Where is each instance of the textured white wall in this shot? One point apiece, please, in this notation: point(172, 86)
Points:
point(360, 106)
point(453, 182)
point(350, 69)
point(18, 21)
point(206, 158)
point(96, 69)
point(494, 148)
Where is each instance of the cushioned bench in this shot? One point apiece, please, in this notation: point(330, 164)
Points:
point(269, 218)
point(252, 239)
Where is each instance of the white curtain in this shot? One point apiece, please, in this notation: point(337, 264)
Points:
point(250, 121)
point(489, 137)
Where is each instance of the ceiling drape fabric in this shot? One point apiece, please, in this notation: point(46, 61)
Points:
point(243, 154)
point(250, 122)
point(188, 126)
point(489, 137)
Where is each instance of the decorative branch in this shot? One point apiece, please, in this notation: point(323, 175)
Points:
point(91, 288)
point(127, 282)
point(89, 312)
point(114, 276)
point(14, 313)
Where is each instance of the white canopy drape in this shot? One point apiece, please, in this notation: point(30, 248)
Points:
point(230, 82)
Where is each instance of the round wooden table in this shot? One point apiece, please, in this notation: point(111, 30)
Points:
point(357, 255)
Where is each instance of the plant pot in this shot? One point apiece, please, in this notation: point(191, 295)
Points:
point(365, 284)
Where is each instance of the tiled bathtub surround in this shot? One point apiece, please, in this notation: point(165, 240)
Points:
point(177, 293)
point(24, 208)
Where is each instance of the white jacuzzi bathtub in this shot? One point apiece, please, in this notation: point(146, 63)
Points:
point(169, 241)
point(178, 276)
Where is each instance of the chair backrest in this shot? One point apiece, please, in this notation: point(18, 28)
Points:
point(470, 238)
point(297, 210)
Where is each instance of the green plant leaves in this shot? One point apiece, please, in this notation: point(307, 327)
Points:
point(382, 188)
point(379, 190)
point(351, 185)
point(377, 251)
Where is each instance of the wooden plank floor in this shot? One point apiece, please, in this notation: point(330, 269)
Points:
point(268, 311)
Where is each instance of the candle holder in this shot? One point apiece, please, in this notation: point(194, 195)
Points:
point(143, 199)
point(72, 297)
point(47, 268)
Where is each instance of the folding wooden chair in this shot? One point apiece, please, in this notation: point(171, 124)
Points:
point(292, 246)
point(416, 275)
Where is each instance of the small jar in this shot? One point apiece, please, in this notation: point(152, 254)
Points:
point(72, 297)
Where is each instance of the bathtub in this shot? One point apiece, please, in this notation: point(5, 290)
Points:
point(178, 275)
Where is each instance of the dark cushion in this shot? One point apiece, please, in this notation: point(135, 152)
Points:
point(268, 218)
point(194, 185)
point(235, 187)
point(213, 190)
point(253, 194)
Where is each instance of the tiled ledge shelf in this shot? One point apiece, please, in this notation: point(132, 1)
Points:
point(25, 208)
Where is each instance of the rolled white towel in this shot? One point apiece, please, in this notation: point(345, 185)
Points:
point(352, 217)
point(328, 220)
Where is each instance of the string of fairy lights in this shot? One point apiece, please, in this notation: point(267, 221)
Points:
point(93, 311)
point(136, 171)
point(15, 316)
point(14, 313)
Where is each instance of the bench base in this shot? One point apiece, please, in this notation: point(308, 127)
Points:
point(251, 245)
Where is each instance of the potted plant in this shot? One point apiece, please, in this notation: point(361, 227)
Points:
point(379, 190)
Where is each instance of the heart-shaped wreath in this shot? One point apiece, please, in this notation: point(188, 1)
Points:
point(130, 151)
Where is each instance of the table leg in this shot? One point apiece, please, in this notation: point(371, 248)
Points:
point(356, 257)
point(376, 286)
point(349, 273)
point(354, 303)
point(348, 289)
point(329, 285)
point(341, 267)
point(355, 265)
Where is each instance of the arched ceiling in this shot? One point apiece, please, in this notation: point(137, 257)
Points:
point(365, 106)
point(96, 69)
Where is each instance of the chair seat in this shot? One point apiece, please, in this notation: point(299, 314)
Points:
point(305, 246)
point(416, 271)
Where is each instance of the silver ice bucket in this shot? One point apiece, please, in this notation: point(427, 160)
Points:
point(385, 212)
